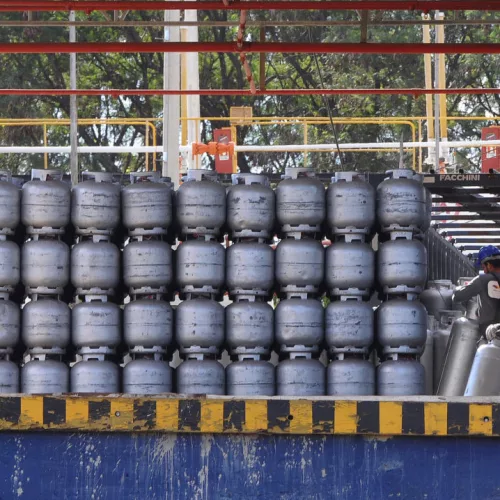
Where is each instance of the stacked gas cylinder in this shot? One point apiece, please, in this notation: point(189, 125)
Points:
point(10, 268)
point(95, 276)
point(350, 278)
point(147, 211)
point(403, 214)
point(46, 317)
point(250, 274)
point(300, 263)
point(200, 270)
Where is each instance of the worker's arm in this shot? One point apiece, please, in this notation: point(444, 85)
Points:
point(465, 293)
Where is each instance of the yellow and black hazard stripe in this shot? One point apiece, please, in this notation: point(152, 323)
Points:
point(264, 416)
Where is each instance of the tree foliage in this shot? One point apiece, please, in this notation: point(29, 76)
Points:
point(224, 71)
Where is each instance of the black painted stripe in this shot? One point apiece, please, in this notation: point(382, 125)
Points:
point(278, 415)
point(368, 417)
point(189, 414)
point(99, 409)
point(323, 416)
point(54, 411)
point(10, 409)
point(413, 418)
point(458, 418)
point(145, 412)
point(234, 415)
point(496, 418)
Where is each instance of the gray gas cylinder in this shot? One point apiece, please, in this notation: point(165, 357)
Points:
point(200, 267)
point(199, 326)
point(10, 204)
point(299, 325)
point(462, 281)
point(402, 202)
point(147, 376)
point(349, 326)
point(301, 376)
point(401, 326)
point(437, 296)
point(45, 266)
point(96, 324)
point(459, 355)
point(350, 269)
point(201, 376)
point(46, 324)
point(445, 321)
point(45, 203)
point(10, 326)
point(251, 207)
point(428, 211)
point(400, 377)
point(148, 324)
point(95, 267)
point(44, 376)
point(95, 376)
point(484, 378)
point(250, 269)
point(95, 203)
point(147, 266)
point(250, 378)
point(350, 204)
point(350, 376)
point(300, 202)
point(201, 204)
point(249, 327)
point(427, 357)
point(10, 265)
point(300, 266)
point(402, 266)
point(9, 377)
point(147, 204)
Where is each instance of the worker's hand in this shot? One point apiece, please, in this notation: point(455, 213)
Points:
point(493, 332)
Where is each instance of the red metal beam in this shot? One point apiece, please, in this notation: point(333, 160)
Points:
point(249, 47)
point(104, 5)
point(416, 92)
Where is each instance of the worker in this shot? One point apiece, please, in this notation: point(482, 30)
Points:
point(443, 165)
point(486, 287)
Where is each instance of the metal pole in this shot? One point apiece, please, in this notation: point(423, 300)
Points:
point(436, 111)
point(415, 92)
point(267, 5)
point(73, 110)
point(171, 104)
point(248, 47)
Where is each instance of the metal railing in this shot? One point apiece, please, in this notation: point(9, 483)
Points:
point(445, 261)
point(415, 124)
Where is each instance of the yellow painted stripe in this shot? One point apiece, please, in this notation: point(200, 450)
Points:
point(390, 417)
point(481, 419)
point(436, 418)
point(301, 411)
point(31, 411)
point(346, 418)
point(167, 415)
point(77, 412)
point(212, 415)
point(255, 416)
point(122, 414)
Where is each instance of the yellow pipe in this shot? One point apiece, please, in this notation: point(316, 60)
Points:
point(426, 32)
point(46, 155)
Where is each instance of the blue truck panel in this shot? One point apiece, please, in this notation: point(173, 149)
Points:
point(115, 466)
